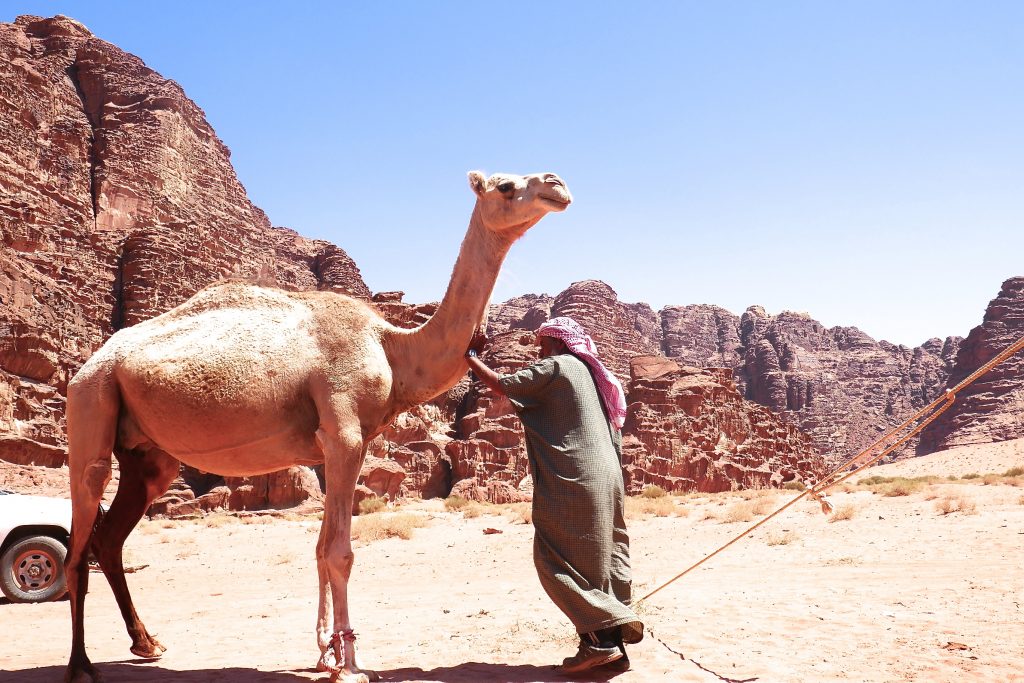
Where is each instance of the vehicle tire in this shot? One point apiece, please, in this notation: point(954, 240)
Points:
point(32, 570)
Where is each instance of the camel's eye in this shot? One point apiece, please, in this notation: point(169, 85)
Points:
point(506, 187)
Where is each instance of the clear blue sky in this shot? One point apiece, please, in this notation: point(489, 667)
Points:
point(860, 161)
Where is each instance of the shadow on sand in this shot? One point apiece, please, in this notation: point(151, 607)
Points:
point(136, 671)
point(140, 671)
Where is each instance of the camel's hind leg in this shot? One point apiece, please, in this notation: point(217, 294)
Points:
point(92, 411)
point(144, 476)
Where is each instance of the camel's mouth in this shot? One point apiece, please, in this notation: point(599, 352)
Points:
point(556, 201)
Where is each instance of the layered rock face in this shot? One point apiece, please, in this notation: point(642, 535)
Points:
point(689, 429)
point(991, 408)
point(838, 385)
point(118, 203)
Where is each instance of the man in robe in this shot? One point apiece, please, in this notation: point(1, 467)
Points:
point(572, 409)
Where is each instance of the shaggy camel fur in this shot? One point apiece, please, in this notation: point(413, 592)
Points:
point(242, 380)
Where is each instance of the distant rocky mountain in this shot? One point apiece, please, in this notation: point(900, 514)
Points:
point(838, 385)
point(992, 408)
point(118, 202)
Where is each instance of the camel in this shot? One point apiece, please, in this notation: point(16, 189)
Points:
point(243, 379)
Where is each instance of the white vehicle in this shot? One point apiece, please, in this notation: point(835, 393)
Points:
point(34, 532)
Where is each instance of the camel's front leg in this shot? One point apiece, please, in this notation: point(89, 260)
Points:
point(343, 455)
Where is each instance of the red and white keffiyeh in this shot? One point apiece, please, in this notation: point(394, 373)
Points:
point(580, 343)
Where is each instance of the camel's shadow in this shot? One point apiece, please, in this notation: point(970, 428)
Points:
point(140, 671)
point(135, 671)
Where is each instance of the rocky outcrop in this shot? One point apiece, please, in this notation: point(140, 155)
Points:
point(488, 457)
point(689, 429)
point(118, 203)
point(992, 407)
point(840, 386)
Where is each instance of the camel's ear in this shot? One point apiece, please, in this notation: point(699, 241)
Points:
point(478, 182)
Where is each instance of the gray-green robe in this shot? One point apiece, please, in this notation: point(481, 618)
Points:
point(580, 548)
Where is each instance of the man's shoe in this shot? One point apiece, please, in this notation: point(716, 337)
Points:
point(617, 665)
point(588, 657)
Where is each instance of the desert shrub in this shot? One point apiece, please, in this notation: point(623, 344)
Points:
point(638, 507)
point(368, 506)
point(1020, 501)
point(739, 512)
point(653, 491)
point(843, 513)
point(780, 537)
point(990, 479)
point(520, 513)
point(455, 503)
point(763, 505)
point(473, 510)
point(950, 504)
point(972, 475)
point(891, 487)
point(218, 520)
point(794, 485)
point(395, 525)
point(257, 519)
point(1014, 472)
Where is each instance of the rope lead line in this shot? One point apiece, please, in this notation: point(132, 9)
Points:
point(933, 410)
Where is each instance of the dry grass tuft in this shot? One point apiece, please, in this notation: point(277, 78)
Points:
point(1014, 472)
point(991, 479)
point(168, 524)
point(394, 525)
point(257, 519)
point(844, 512)
point(653, 491)
point(520, 513)
point(739, 512)
point(1020, 501)
point(950, 504)
point(455, 503)
point(781, 537)
point(640, 508)
point(218, 520)
point(794, 485)
point(473, 510)
point(368, 506)
point(763, 505)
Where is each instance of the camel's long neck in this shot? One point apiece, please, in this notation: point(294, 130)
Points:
point(429, 360)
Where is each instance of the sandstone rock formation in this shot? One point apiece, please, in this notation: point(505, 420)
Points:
point(992, 408)
point(838, 385)
point(118, 203)
point(689, 429)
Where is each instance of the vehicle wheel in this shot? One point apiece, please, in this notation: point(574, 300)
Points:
point(32, 570)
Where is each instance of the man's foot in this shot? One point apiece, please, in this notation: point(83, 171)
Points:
point(589, 656)
point(618, 665)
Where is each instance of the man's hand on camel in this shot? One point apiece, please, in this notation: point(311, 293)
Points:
point(478, 342)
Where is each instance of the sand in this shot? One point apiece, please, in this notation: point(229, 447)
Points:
point(898, 592)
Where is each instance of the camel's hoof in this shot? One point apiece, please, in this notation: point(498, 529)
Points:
point(151, 650)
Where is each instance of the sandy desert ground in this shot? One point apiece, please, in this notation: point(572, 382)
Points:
point(898, 591)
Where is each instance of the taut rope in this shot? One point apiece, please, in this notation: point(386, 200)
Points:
point(836, 476)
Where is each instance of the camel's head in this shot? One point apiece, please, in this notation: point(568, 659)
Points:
point(512, 204)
